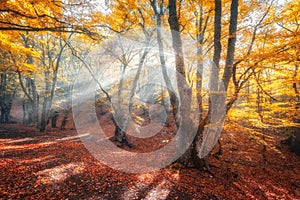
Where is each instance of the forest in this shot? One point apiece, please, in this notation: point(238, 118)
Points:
point(151, 99)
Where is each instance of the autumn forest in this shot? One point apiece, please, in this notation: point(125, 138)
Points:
point(151, 99)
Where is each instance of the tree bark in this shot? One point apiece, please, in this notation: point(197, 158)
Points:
point(294, 139)
point(125, 116)
point(173, 98)
point(217, 33)
point(191, 155)
point(200, 42)
point(185, 91)
point(7, 95)
point(50, 88)
point(231, 43)
point(30, 91)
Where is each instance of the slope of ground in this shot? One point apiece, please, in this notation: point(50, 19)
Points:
point(56, 165)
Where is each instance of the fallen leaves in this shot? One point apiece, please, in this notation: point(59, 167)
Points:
point(64, 169)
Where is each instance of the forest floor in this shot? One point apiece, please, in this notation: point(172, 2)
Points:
point(56, 165)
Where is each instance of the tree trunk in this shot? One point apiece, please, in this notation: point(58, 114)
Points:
point(124, 116)
point(190, 157)
point(7, 95)
point(200, 58)
point(217, 33)
point(50, 88)
point(46, 107)
point(66, 113)
point(231, 43)
point(3, 97)
point(3, 87)
point(185, 92)
point(32, 106)
point(30, 91)
point(173, 98)
point(36, 102)
point(294, 139)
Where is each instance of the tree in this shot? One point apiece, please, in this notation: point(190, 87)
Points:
point(45, 16)
point(192, 154)
point(53, 56)
point(18, 19)
point(159, 12)
point(185, 92)
point(8, 91)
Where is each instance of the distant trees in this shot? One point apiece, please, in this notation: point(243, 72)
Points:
point(33, 35)
point(8, 92)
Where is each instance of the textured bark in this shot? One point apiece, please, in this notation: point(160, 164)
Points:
point(231, 43)
point(217, 33)
point(202, 25)
point(295, 87)
point(3, 106)
point(173, 98)
point(50, 88)
point(6, 98)
point(185, 92)
point(30, 105)
point(64, 121)
point(30, 91)
point(191, 155)
point(294, 140)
